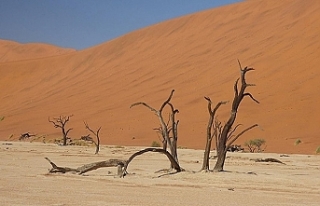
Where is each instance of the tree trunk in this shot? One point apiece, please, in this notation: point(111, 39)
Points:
point(164, 144)
point(175, 152)
point(222, 144)
point(97, 147)
point(64, 137)
point(206, 156)
point(220, 160)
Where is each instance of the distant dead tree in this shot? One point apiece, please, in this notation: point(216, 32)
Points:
point(171, 141)
point(26, 135)
point(60, 122)
point(235, 148)
point(88, 138)
point(225, 136)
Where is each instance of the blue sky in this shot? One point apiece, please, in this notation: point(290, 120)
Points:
point(81, 24)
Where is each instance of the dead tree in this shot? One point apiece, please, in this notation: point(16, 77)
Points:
point(225, 138)
point(61, 122)
point(164, 127)
point(26, 135)
point(174, 129)
point(211, 132)
point(97, 144)
point(121, 164)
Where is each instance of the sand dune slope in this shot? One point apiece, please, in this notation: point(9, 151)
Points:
point(197, 56)
point(13, 51)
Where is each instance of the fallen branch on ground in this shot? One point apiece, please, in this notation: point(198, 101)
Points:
point(88, 167)
point(121, 164)
point(268, 160)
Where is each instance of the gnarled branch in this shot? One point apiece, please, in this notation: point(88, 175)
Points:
point(174, 163)
point(144, 104)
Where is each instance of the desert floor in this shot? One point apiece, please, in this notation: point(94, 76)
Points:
point(25, 179)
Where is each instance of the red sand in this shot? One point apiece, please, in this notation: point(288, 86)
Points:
point(197, 56)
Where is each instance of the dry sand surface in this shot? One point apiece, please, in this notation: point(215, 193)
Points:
point(197, 56)
point(13, 51)
point(25, 179)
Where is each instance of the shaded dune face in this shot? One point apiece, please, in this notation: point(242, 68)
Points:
point(197, 56)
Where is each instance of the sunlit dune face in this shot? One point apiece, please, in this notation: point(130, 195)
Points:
point(197, 56)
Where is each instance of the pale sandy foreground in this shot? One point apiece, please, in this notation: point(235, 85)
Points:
point(25, 179)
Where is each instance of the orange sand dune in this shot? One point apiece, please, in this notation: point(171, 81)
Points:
point(13, 51)
point(197, 56)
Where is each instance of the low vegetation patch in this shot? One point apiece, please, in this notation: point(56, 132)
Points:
point(254, 145)
point(155, 144)
point(298, 141)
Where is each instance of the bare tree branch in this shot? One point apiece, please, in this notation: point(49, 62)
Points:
point(250, 95)
point(54, 123)
point(68, 131)
point(234, 129)
point(167, 101)
point(144, 104)
point(170, 157)
point(241, 133)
